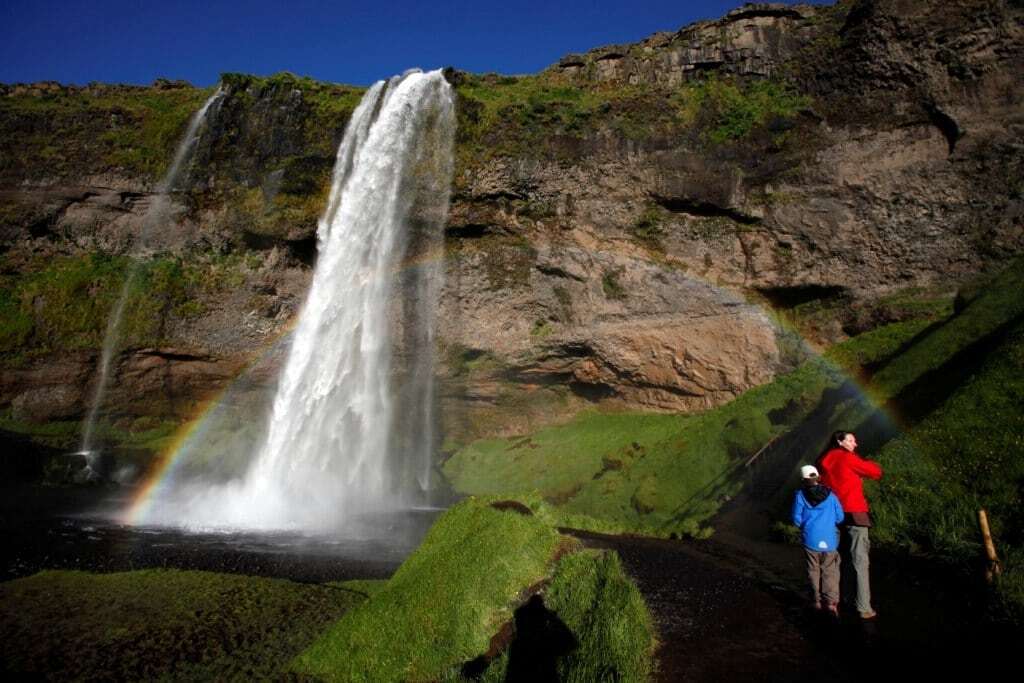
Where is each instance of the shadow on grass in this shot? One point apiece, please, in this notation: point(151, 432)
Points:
point(535, 644)
point(926, 393)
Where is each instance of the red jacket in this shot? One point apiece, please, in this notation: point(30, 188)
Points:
point(843, 471)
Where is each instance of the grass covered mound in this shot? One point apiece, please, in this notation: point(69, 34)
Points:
point(593, 625)
point(160, 624)
point(965, 451)
point(450, 605)
point(648, 473)
point(667, 474)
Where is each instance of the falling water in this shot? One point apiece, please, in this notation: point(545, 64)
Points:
point(153, 217)
point(351, 431)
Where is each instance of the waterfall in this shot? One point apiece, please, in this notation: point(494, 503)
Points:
point(351, 427)
point(155, 214)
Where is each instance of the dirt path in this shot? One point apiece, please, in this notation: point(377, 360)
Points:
point(716, 624)
point(734, 608)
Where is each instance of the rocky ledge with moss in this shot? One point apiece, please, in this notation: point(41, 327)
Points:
point(622, 227)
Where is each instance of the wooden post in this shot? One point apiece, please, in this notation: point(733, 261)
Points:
point(994, 569)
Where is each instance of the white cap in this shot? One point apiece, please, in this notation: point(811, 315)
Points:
point(809, 472)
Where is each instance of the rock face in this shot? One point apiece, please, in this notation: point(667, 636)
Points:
point(781, 157)
point(754, 40)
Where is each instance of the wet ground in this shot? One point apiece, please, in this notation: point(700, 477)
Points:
point(77, 529)
point(727, 609)
point(726, 613)
point(715, 623)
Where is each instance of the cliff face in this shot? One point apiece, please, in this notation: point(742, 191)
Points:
point(622, 223)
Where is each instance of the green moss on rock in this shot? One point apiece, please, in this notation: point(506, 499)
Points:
point(128, 129)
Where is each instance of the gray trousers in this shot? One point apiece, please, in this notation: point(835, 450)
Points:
point(823, 573)
point(855, 546)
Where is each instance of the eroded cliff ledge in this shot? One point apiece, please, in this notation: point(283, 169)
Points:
point(623, 224)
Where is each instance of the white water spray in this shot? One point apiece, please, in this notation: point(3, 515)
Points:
point(155, 215)
point(351, 426)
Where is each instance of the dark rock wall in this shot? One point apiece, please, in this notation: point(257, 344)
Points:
point(633, 255)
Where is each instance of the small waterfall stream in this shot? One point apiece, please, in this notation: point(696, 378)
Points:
point(153, 218)
point(351, 428)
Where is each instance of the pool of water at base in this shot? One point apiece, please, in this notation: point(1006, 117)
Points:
point(86, 535)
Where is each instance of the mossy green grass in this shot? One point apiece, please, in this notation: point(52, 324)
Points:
point(658, 474)
point(463, 586)
point(592, 594)
point(63, 304)
point(605, 629)
point(443, 605)
point(964, 456)
point(133, 129)
point(160, 624)
point(998, 304)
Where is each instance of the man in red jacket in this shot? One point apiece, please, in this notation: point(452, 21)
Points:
point(843, 471)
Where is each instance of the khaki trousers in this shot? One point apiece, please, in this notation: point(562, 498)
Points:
point(823, 573)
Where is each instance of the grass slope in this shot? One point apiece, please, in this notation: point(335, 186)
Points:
point(457, 589)
point(450, 602)
point(657, 474)
point(159, 624)
point(666, 474)
point(965, 454)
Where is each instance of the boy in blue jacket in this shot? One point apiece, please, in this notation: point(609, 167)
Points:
point(817, 512)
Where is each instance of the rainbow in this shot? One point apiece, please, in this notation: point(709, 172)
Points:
point(191, 432)
point(194, 428)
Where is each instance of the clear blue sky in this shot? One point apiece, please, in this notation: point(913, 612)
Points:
point(123, 41)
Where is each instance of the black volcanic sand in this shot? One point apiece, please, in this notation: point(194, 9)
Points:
point(722, 608)
point(714, 623)
point(726, 615)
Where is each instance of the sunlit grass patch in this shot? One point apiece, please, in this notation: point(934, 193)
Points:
point(131, 128)
point(998, 304)
point(458, 603)
point(964, 456)
point(652, 473)
point(446, 601)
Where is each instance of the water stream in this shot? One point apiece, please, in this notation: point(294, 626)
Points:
point(351, 430)
point(154, 217)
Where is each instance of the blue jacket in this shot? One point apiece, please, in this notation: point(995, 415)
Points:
point(817, 512)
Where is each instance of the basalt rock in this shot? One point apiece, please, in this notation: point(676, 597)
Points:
point(754, 40)
point(632, 257)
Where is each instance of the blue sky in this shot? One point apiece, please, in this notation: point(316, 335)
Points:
point(120, 41)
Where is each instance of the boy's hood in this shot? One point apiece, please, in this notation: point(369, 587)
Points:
point(816, 494)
